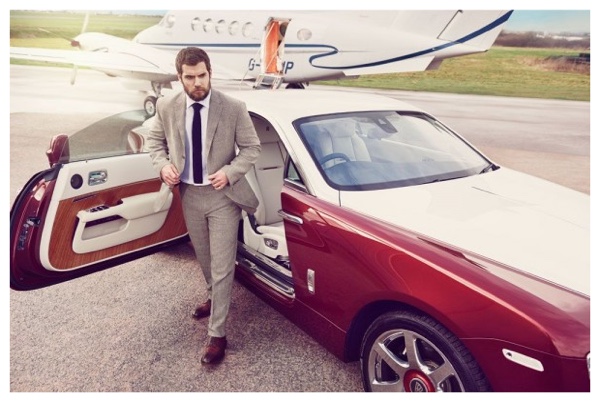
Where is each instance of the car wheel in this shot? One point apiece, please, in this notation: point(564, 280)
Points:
point(409, 352)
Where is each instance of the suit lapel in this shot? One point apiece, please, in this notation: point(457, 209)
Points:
point(214, 112)
point(179, 107)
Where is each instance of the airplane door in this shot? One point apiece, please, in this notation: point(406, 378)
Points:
point(99, 204)
point(272, 49)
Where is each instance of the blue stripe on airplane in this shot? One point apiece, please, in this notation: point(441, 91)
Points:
point(466, 38)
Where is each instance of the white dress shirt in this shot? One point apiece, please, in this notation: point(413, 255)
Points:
point(187, 176)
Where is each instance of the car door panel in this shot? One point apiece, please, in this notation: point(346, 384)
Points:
point(82, 213)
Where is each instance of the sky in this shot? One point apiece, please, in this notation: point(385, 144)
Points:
point(529, 15)
point(555, 21)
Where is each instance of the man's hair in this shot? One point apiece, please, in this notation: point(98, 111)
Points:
point(191, 56)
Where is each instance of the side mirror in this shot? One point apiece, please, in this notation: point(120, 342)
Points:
point(58, 150)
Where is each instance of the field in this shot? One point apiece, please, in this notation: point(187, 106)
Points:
point(502, 71)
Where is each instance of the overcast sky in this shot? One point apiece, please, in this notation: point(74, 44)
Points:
point(528, 15)
point(553, 21)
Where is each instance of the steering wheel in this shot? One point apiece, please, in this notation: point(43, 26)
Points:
point(335, 155)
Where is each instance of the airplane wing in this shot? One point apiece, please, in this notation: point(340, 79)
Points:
point(401, 66)
point(118, 64)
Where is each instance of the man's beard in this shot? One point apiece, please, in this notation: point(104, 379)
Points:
point(198, 95)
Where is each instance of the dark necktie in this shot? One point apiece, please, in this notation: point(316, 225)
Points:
point(197, 143)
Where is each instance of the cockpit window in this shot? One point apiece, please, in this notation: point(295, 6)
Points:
point(168, 21)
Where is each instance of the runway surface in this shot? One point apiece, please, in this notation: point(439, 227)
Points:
point(129, 328)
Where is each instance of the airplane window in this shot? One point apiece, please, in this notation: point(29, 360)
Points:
point(248, 29)
point(196, 24)
point(234, 27)
point(304, 34)
point(221, 26)
point(208, 25)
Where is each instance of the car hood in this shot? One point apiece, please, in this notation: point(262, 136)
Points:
point(518, 220)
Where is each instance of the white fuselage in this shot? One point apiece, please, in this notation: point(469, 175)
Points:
point(326, 45)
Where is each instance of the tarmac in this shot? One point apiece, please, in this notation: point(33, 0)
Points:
point(129, 329)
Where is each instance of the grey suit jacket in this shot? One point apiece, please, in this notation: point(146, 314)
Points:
point(229, 125)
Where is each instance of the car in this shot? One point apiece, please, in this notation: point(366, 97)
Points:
point(381, 232)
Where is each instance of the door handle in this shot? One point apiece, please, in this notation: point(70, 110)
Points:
point(290, 217)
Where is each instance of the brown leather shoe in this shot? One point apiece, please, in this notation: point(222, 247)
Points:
point(202, 310)
point(214, 350)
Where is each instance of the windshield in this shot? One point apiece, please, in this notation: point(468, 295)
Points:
point(116, 135)
point(378, 150)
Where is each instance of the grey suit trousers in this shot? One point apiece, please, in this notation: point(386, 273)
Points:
point(212, 221)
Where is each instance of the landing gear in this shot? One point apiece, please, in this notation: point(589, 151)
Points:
point(294, 85)
point(150, 101)
point(150, 105)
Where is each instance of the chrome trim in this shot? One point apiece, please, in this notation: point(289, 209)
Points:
point(97, 177)
point(523, 360)
point(290, 217)
point(264, 260)
point(296, 185)
point(261, 274)
point(310, 281)
point(588, 358)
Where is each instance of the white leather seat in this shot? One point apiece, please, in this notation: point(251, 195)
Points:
point(336, 138)
point(264, 231)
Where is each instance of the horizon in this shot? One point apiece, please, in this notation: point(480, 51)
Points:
point(551, 21)
point(547, 21)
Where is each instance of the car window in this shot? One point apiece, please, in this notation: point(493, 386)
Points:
point(377, 150)
point(293, 177)
point(116, 135)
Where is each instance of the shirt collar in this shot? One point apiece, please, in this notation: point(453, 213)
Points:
point(204, 102)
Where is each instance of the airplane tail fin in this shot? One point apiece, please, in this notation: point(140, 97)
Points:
point(476, 28)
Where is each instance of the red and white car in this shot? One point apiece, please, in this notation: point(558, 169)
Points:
point(381, 233)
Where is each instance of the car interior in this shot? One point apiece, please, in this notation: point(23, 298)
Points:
point(263, 231)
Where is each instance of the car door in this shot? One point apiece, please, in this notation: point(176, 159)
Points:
point(98, 205)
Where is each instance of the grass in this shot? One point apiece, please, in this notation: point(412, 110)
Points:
point(502, 71)
point(25, 26)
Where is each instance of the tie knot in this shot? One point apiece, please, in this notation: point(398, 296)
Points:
point(196, 106)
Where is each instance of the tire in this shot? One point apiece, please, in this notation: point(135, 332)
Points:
point(438, 362)
point(295, 85)
point(150, 105)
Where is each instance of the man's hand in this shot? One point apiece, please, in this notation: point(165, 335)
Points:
point(218, 180)
point(170, 175)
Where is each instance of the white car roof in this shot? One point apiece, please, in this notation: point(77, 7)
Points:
point(291, 104)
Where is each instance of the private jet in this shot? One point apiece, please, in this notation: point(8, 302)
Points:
point(268, 49)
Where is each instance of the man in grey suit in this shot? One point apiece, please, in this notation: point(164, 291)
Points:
point(193, 144)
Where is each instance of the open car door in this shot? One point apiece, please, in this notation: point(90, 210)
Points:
point(100, 204)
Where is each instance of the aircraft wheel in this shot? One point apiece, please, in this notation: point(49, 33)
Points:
point(295, 85)
point(150, 105)
point(409, 352)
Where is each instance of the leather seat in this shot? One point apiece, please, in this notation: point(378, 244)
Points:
point(264, 231)
point(336, 138)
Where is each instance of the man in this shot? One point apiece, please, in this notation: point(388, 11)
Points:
point(192, 144)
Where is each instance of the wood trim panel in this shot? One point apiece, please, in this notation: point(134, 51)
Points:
point(61, 254)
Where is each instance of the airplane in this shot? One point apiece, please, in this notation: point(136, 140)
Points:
point(271, 48)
